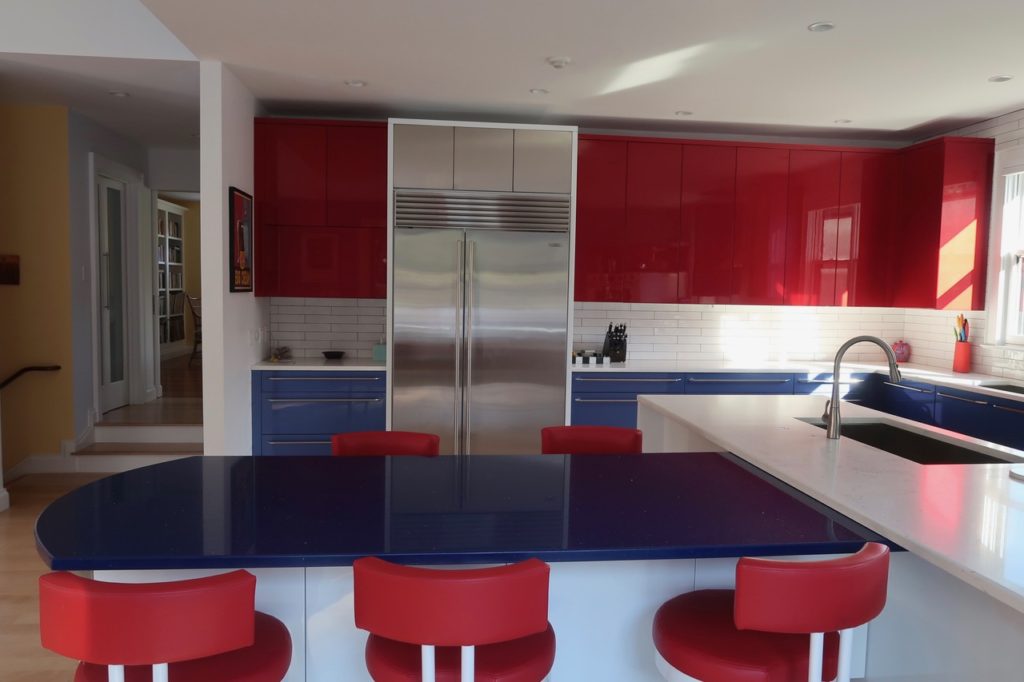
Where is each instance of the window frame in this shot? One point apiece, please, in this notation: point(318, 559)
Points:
point(1005, 269)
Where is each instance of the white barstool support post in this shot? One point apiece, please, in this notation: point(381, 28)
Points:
point(427, 662)
point(468, 664)
point(160, 673)
point(817, 652)
point(115, 673)
point(845, 655)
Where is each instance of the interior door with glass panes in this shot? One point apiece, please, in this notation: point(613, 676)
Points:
point(113, 293)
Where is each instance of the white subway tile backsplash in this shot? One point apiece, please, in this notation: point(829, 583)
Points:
point(311, 325)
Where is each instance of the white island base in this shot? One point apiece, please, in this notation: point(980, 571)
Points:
point(955, 601)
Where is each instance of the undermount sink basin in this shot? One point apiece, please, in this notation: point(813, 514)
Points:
point(1013, 388)
point(910, 445)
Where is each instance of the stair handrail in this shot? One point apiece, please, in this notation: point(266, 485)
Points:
point(25, 370)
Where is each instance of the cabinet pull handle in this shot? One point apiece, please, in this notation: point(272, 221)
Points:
point(323, 378)
point(905, 388)
point(739, 381)
point(324, 400)
point(598, 400)
point(1008, 409)
point(638, 381)
point(828, 381)
point(298, 442)
point(963, 400)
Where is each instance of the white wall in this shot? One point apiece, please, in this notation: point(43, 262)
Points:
point(1007, 130)
point(235, 326)
point(97, 28)
point(85, 136)
point(173, 170)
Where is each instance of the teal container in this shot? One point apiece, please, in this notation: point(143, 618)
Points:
point(380, 352)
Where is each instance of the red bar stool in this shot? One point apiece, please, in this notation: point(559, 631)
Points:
point(203, 630)
point(498, 616)
point(590, 440)
point(385, 443)
point(759, 632)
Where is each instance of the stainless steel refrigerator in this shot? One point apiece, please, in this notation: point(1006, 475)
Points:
point(480, 317)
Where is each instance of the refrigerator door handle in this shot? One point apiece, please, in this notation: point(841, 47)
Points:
point(468, 336)
point(460, 287)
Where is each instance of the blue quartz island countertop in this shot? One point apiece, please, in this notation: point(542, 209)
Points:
point(228, 512)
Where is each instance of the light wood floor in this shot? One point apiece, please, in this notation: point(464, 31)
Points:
point(181, 403)
point(22, 659)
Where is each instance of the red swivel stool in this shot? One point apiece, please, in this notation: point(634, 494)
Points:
point(418, 619)
point(759, 632)
point(385, 443)
point(203, 630)
point(590, 440)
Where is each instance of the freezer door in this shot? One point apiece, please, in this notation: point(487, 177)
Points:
point(427, 328)
point(516, 321)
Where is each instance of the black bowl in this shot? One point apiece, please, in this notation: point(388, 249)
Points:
point(334, 354)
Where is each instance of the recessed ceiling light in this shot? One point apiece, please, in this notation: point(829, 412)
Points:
point(538, 91)
point(559, 62)
point(1000, 78)
point(843, 121)
point(356, 84)
point(821, 26)
point(683, 112)
point(120, 94)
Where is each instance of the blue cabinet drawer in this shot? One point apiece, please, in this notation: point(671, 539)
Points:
point(603, 409)
point(321, 383)
point(736, 383)
point(908, 399)
point(303, 414)
point(296, 445)
point(855, 389)
point(623, 382)
point(980, 415)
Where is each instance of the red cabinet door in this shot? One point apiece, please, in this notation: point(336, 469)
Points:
point(600, 217)
point(915, 244)
point(328, 262)
point(648, 257)
point(291, 163)
point(868, 215)
point(708, 213)
point(813, 227)
point(759, 251)
point(357, 175)
point(962, 239)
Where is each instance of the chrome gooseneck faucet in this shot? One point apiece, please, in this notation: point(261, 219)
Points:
point(831, 416)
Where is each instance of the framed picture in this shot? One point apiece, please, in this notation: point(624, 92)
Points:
point(240, 240)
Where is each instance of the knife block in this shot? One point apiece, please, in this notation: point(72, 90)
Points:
point(614, 348)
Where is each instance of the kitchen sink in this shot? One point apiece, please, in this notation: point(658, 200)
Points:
point(1013, 388)
point(910, 445)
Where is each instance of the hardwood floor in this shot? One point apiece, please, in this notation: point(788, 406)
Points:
point(181, 381)
point(181, 403)
point(22, 659)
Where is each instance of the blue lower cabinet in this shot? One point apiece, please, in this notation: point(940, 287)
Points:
point(604, 409)
point(297, 412)
point(1007, 422)
point(981, 416)
point(858, 388)
point(738, 384)
point(626, 382)
point(908, 399)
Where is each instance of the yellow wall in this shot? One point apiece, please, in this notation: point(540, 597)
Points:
point(35, 316)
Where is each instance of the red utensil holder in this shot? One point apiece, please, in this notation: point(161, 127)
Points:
point(962, 356)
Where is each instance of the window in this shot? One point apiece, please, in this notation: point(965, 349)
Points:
point(1006, 287)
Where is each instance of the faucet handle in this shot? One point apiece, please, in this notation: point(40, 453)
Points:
point(827, 414)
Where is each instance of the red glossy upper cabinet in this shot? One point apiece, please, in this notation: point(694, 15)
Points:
point(813, 227)
point(357, 175)
point(868, 216)
point(708, 212)
point(759, 245)
point(946, 186)
point(600, 216)
point(648, 256)
point(291, 167)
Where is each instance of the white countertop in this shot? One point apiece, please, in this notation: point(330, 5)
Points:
point(966, 519)
point(924, 373)
point(320, 364)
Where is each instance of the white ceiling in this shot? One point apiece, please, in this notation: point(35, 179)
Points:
point(161, 111)
point(897, 70)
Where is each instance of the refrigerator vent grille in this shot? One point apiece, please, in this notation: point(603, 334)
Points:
point(498, 210)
